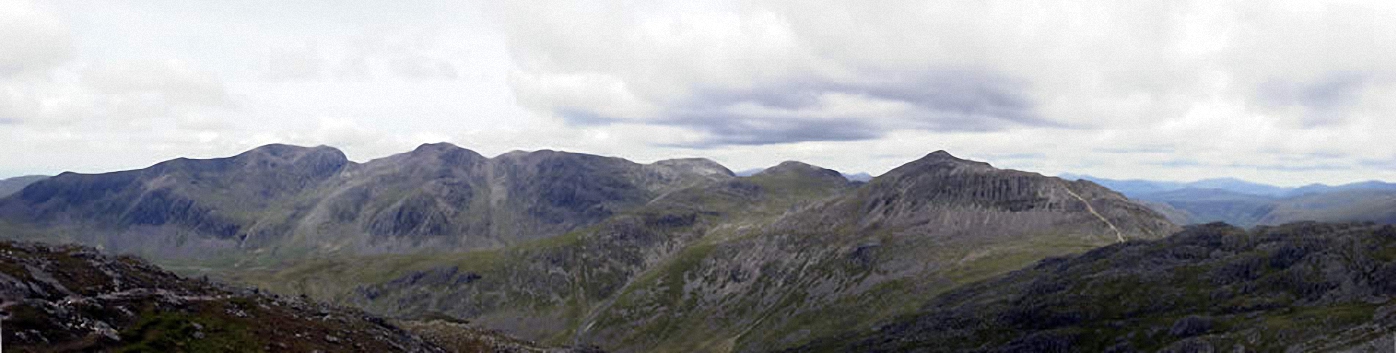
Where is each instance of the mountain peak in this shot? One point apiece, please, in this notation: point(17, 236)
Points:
point(940, 154)
point(322, 159)
point(280, 150)
point(702, 166)
point(800, 168)
point(437, 147)
point(943, 160)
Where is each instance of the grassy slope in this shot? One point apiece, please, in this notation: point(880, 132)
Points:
point(1306, 287)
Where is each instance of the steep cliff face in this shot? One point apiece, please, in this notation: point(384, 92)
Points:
point(1303, 287)
point(749, 264)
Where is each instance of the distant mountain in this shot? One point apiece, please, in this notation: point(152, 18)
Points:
point(1247, 204)
point(749, 172)
point(13, 185)
point(281, 200)
point(862, 177)
point(1304, 287)
point(745, 264)
point(1138, 187)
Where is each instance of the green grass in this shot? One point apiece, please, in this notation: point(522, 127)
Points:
point(176, 332)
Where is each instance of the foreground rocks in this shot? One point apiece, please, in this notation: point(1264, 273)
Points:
point(72, 298)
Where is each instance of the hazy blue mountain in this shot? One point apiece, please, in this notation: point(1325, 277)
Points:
point(1140, 187)
point(861, 176)
point(748, 172)
point(13, 185)
point(1321, 188)
point(1131, 187)
point(1243, 203)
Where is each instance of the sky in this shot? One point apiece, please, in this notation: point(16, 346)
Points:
point(1281, 92)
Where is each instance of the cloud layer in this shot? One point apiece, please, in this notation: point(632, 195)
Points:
point(1286, 92)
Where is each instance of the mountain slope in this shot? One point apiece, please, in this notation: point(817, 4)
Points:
point(1300, 287)
point(181, 207)
point(68, 298)
point(745, 264)
point(281, 201)
point(13, 185)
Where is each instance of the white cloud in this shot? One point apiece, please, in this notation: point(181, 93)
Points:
point(1144, 89)
point(34, 41)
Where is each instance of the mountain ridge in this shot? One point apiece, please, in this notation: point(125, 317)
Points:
point(1251, 204)
point(283, 196)
point(676, 255)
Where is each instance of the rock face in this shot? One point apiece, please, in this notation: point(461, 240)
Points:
point(757, 263)
point(289, 199)
point(69, 298)
point(1303, 287)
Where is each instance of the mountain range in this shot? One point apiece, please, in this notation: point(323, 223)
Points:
point(1243, 203)
point(573, 250)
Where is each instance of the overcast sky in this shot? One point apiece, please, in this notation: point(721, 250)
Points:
point(1284, 92)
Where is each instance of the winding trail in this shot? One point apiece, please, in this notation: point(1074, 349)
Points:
point(1118, 235)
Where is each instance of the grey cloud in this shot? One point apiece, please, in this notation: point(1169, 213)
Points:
point(1278, 167)
point(939, 101)
point(1292, 167)
point(1135, 150)
point(1175, 163)
point(736, 130)
point(1389, 163)
point(1325, 100)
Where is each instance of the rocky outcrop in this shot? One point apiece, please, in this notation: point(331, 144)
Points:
point(69, 298)
point(1304, 287)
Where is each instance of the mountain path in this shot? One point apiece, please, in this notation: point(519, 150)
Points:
point(1118, 235)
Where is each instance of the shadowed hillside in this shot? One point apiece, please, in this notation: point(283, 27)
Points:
point(1302, 287)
